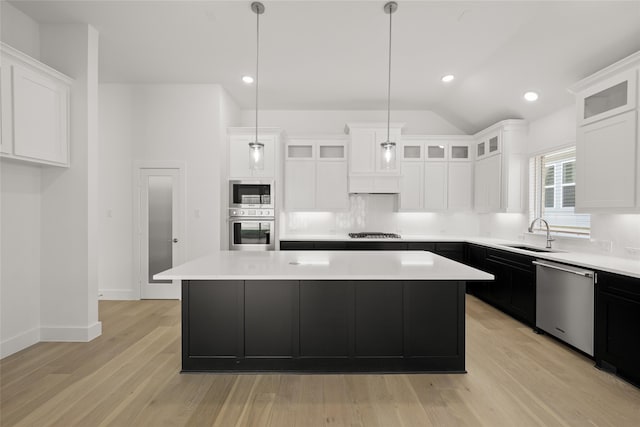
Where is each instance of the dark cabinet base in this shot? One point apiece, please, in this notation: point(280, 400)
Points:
point(323, 326)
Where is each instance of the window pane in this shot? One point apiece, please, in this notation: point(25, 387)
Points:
point(548, 175)
point(569, 196)
point(568, 173)
point(548, 197)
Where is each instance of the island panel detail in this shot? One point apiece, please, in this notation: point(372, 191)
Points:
point(323, 326)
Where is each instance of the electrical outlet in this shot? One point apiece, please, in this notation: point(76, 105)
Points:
point(632, 251)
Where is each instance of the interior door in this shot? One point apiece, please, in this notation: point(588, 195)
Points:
point(159, 231)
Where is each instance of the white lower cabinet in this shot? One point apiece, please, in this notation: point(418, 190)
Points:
point(316, 175)
point(35, 110)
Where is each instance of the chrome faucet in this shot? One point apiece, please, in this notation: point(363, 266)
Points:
point(549, 239)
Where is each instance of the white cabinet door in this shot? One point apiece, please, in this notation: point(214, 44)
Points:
point(435, 186)
point(493, 175)
point(480, 189)
point(606, 163)
point(40, 116)
point(412, 186)
point(487, 184)
point(460, 186)
point(239, 157)
point(300, 185)
point(331, 186)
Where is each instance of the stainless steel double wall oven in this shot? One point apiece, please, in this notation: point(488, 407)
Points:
point(251, 215)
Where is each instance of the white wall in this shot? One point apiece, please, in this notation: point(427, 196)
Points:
point(610, 234)
point(20, 256)
point(19, 30)
point(115, 213)
point(150, 123)
point(20, 229)
point(69, 275)
point(333, 122)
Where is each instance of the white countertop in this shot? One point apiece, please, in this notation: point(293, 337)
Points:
point(617, 265)
point(323, 265)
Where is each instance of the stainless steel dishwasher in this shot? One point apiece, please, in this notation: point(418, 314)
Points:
point(565, 303)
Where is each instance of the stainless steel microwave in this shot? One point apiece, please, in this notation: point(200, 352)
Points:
point(256, 194)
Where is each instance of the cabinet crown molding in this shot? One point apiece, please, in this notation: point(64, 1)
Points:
point(509, 124)
point(372, 125)
point(624, 64)
point(20, 56)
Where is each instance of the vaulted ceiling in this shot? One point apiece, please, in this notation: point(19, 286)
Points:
point(332, 55)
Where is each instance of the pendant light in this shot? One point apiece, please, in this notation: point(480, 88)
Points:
point(256, 148)
point(389, 147)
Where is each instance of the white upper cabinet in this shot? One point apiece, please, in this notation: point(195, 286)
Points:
point(316, 174)
point(35, 110)
point(372, 169)
point(607, 139)
point(607, 98)
point(500, 167)
point(240, 152)
point(436, 173)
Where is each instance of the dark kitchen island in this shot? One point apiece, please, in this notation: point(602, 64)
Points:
point(323, 311)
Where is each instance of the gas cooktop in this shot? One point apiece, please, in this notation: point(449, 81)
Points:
point(374, 235)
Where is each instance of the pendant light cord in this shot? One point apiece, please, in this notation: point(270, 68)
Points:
point(389, 83)
point(257, 63)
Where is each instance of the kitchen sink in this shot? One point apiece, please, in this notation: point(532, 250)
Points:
point(529, 248)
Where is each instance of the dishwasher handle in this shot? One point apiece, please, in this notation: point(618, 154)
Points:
point(565, 268)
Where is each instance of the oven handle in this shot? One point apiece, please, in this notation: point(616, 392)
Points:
point(565, 268)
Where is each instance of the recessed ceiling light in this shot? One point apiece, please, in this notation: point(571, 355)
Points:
point(247, 79)
point(448, 78)
point(531, 96)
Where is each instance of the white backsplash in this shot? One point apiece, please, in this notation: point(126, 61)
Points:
point(614, 235)
point(378, 212)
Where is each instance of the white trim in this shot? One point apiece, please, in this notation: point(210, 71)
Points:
point(118, 294)
point(19, 342)
point(624, 64)
point(70, 333)
point(17, 55)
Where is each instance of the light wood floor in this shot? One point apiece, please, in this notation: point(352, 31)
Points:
point(130, 377)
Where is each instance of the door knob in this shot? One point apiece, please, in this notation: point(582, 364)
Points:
point(175, 240)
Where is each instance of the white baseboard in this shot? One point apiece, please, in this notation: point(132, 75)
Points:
point(70, 333)
point(118, 294)
point(19, 342)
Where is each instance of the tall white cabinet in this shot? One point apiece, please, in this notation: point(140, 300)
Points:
point(34, 102)
point(607, 139)
point(436, 173)
point(500, 167)
point(316, 174)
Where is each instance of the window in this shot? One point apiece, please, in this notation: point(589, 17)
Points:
point(552, 193)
